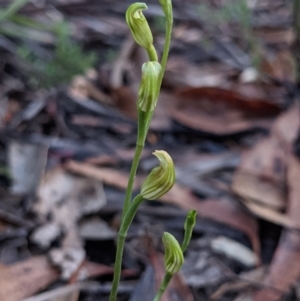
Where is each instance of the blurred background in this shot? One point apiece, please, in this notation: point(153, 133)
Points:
point(228, 114)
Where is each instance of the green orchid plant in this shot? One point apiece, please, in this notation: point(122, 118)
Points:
point(162, 178)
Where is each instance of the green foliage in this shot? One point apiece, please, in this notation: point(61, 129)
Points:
point(68, 60)
point(12, 9)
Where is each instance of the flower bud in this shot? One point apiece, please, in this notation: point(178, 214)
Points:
point(173, 254)
point(161, 179)
point(190, 220)
point(138, 25)
point(149, 87)
point(189, 225)
point(167, 7)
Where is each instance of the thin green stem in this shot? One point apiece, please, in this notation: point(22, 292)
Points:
point(12, 9)
point(140, 143)
point(169, 25)
point(152, 53)
point(142, 126)
point(118, 268)
point(128, 214)
point(126, 222)
point(185, 243)
point(137, 155)
point(163, 286)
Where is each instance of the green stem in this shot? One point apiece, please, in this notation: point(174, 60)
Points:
point(169, 25)
point(126, 222)
point(140, 143)
point(152, 53)
point(138, 151)
point(12, 9)
point(163, 286)
point(185, 243)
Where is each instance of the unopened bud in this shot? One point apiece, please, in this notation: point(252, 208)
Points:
point(173, 259)
point(189, 225)
point(167, 7)
point(149, 87)
point(138, 25)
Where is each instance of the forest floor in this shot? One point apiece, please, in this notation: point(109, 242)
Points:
point(228, 114)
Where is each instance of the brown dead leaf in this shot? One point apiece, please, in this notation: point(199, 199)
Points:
point(245, 280)
point(90, 269)
point(275, 35)
point(284, 270)
point(261, 175)
point(269, 214)
point(281, 67)
point(26, 278)
point(109, 176)
point(12, 108)
point(81, 88)
point(64, 293)
point(103, 160)
point(86, 120)
point(221, 112)
point(286, 126)
point(161, 119)
point(208, 75)
point(125, 100)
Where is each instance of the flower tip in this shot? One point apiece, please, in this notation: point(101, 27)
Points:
point(190, 220)
point(138, 24)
